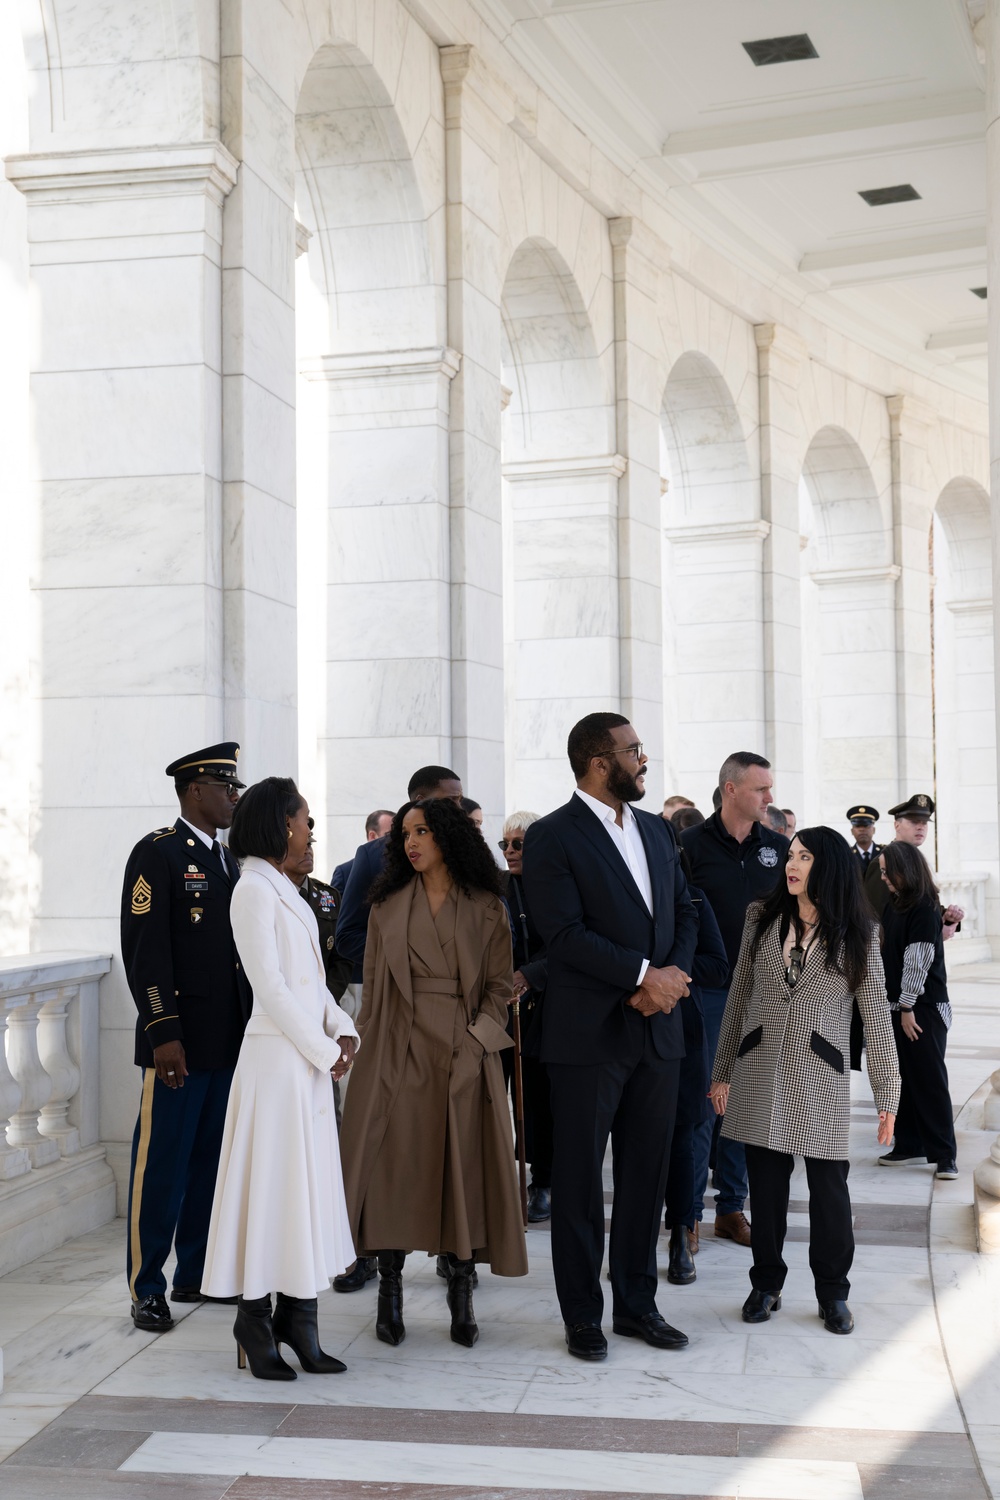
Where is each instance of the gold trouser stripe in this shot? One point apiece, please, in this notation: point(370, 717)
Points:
point(145, 1129)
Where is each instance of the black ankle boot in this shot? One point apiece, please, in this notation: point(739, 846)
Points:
point(255, 1341)
point(680, 1267)
point(463, 1319)
point(294, 1324)
point(389, 1314)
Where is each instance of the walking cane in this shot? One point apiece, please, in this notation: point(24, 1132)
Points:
point(519, 1110)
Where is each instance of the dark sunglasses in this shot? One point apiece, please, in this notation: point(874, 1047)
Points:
point(516, 844)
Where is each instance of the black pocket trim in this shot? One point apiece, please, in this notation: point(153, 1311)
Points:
point(750, 1041)
point(827, 1051)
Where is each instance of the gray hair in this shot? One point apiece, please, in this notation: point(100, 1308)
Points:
point(518, 822)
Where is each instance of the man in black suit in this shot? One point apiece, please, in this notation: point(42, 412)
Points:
point(609, 898)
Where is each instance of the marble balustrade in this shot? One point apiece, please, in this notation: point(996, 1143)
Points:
point(969, 891)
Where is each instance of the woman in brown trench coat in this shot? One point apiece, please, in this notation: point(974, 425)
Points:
point(426, 1144)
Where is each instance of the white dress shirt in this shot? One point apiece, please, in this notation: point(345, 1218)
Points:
point(209, 843)
point(628, 841)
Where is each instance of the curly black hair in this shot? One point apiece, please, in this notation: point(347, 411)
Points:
point(469, 862)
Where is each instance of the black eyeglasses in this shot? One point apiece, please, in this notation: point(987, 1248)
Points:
point(231, 790)
point(516, 844)
point(633, 750)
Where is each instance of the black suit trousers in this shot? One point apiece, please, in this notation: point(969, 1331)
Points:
point(925, 1121)
point(831, 1229)
point(635, 1103)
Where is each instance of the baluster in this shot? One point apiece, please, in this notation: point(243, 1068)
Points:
point(53, 1051)
point(987, 1174)
point(14, 1160)
point(36, 1087)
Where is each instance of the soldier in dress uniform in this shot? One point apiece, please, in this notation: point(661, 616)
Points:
point(193, 1001)
point(864, 849)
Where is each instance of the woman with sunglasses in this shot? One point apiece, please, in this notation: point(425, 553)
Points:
point(781, 1075)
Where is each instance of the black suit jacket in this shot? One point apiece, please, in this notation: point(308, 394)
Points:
point(597, 931)
point(182, 965)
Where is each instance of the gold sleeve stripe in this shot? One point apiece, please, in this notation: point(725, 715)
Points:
point(141, 1157)
point(142, 897)
point(158, 1019)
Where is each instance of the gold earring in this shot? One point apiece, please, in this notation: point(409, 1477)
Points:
point(289, 833)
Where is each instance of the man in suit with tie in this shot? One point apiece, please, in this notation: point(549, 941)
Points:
point(193, 1001)
point(609, 898)
point(864, 850)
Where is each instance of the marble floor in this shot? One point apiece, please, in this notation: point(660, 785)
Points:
point(908, 1408)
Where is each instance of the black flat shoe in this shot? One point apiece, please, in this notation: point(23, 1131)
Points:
point(539, 1205)
point(195, 1294)
point(760, 1305)
point(897, 1158)
point(294, 1324)
point(365, 1269)
point(152, 1314)
point(586, 1341)
point(837, 1317)
point(652, 1328)
point(680, 1267)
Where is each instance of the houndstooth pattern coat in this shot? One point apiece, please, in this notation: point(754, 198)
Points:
point(785, 1052)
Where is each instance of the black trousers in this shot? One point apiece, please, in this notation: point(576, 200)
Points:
point(925, 1121)
point(635, 1103)
point(831, 1233)
point(692, 1109)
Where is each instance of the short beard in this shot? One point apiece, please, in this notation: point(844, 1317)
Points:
point(621, 784)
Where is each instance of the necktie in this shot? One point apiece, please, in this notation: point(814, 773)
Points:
point(217, 851)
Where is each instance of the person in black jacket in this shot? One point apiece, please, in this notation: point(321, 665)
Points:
point(917, 985)
point(609, 898)
point(193, 1002)
point(711, 970)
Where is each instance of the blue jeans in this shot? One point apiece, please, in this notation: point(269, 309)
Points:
point(730, 1156)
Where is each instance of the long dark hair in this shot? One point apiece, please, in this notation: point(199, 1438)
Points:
point(845, 917)
point(260, 822)
point(913, 883)
point(463, 848)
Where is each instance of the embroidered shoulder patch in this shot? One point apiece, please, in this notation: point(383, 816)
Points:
point(142, 897)
point(768, 856)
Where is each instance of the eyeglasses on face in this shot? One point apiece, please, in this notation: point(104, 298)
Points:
point(231, 790)
point(516, 844)
point(633, 750)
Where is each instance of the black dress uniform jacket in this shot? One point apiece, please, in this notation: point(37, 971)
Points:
point(325, 903)
point(180, 958)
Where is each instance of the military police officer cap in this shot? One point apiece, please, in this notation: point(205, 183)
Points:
point(917, 806)
point(862, 814)
point(218, 760)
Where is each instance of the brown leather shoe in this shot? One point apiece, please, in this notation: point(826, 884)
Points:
point(693, 1237)
point(735, 1227)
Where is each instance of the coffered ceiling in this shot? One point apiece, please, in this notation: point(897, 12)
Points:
point(773, 159)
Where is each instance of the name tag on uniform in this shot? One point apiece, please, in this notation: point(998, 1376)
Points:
point(196, 880)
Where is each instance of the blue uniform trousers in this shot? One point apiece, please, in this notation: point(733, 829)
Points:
point(175, 1157)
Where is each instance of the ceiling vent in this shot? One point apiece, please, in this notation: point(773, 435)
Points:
point(979, 291)
point(903, 193)
point(779, 49)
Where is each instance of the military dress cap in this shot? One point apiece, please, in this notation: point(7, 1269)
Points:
point(862, 814)
point(917, 806)
point(218, 760)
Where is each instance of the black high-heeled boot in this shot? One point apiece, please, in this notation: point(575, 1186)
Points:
point(255, 1341)
point(294, 1324)
point(463, 1319)
point(389, 1313)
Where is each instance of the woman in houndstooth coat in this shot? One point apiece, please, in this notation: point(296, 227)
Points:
point(781, 1075)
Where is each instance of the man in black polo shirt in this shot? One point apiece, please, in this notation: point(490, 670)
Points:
point(735, 859)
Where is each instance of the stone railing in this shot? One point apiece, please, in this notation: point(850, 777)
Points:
point(54, 1179)
point(987, 1175)
point(972, 944)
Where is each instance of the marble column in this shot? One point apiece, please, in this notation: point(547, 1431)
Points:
point(125, 388)
point(565, 611)
point(971, 834)
point(639, 259)
point(386, 664)
point(988, 34)
point(472, 146)
point(912, 510)
point(781, 356)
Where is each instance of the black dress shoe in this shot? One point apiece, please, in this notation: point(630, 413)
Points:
point(445, 1273)
point(680, 1267)
point(539, 1204)
point(195, 1294)
point(760, 1305)
point(586, 1341)
point(365, 1269)
point(152, 1314)
point(837, 1317)
point(653, 1328)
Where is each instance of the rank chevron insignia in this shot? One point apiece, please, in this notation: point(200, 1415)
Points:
point(142, 897)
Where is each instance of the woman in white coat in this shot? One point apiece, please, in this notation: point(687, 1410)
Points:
point(279, 1221)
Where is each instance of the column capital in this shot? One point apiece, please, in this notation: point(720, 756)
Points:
point(558, 470)
point(143, 172)
point(379, 366)
point(880, 573)
point(455, 64)
point(638, 253)
point(774, 339)
point(906, 411)
point(721, 531)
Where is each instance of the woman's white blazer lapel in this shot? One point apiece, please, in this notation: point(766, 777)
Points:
point(290, 898)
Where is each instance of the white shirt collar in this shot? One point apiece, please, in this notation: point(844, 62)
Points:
point(198, 832)
point(603, 811)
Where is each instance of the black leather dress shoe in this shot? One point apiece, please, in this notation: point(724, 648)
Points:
point(680, 1267)
point(586, 1341)
point(837, 1317)
point(654, 1329)
point(539, 1205)
point(152, 1314)
point(445, 1273)
point(365, 1269)
point(195, 1294)
point(760, 1305)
